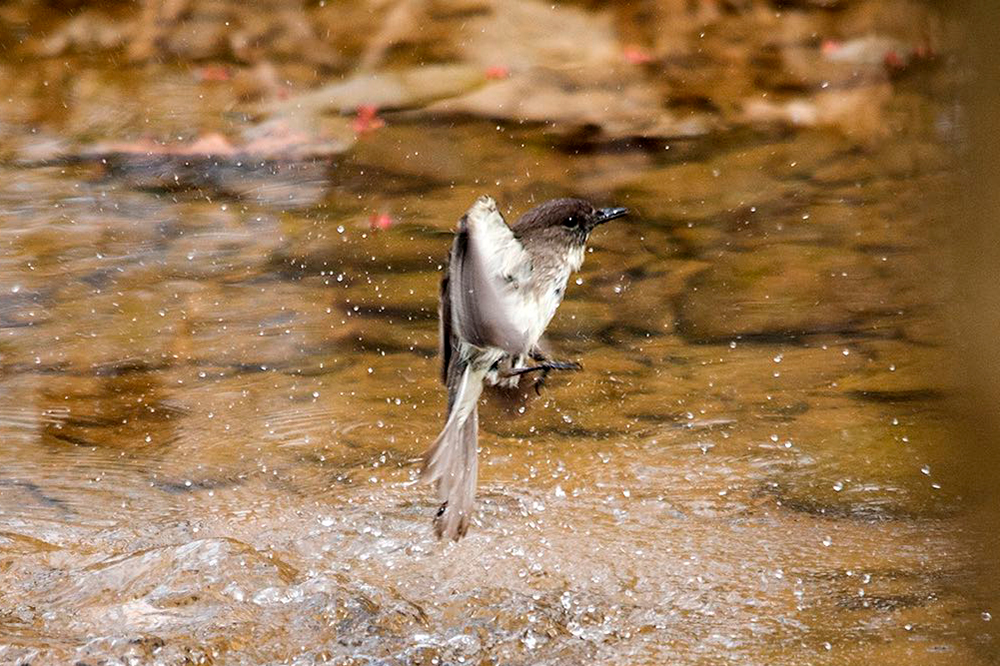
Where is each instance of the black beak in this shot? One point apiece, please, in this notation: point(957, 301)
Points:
point(607, 214)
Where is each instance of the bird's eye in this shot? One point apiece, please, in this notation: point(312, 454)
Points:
point(570, 222)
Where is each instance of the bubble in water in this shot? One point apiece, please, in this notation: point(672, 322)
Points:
point(838, 486)
point(986, 616)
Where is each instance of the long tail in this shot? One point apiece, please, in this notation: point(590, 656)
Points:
point(452, 460)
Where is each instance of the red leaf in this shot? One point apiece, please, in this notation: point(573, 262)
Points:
point(497, 72)
point(367, 119)
point(380, 221)
point(636, 55)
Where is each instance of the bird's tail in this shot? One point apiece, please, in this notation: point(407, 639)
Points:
point(452, 460)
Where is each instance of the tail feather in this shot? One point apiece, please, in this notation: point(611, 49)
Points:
point(452, 460)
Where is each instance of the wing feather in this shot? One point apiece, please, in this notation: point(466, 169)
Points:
point(446, 341)
point(488, 267)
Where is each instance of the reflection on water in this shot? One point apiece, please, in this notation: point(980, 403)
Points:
point(214, 394)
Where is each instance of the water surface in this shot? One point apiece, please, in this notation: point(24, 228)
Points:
point(214, 391)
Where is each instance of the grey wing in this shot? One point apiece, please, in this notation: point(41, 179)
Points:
point(488, 267)
point(444, 324)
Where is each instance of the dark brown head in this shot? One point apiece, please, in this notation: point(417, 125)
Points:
point(564, 223)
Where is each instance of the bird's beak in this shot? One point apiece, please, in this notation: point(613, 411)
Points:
point(608, 214)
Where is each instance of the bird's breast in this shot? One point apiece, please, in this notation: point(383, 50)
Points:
point(541, 302)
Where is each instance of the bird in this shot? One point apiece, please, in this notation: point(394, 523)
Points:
point(501, 287)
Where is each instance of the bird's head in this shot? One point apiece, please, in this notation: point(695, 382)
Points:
point(563, 224)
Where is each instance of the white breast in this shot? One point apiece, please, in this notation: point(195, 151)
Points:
point(541, 303)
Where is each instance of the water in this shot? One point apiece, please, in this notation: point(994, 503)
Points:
point(214, 394)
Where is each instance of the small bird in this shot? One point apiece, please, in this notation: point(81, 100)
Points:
point(499, 292)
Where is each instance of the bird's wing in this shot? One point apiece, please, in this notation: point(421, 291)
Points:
point(488, 269)
point(444, 325)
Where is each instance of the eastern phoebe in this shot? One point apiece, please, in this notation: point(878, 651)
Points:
point(501, 288)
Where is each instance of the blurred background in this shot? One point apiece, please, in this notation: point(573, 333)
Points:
point(223, 225)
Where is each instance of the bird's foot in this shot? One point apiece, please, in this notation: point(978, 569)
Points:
point(546, 366)
point(540, 382)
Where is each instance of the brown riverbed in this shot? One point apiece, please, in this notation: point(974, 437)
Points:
point(218, 337)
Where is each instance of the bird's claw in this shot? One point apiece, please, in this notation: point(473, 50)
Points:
point(541, 382)
point(545, 367)
point(563, 365)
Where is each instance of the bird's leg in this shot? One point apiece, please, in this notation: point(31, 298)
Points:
point(538, 355)
point(545, 366)
point(540, 382)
